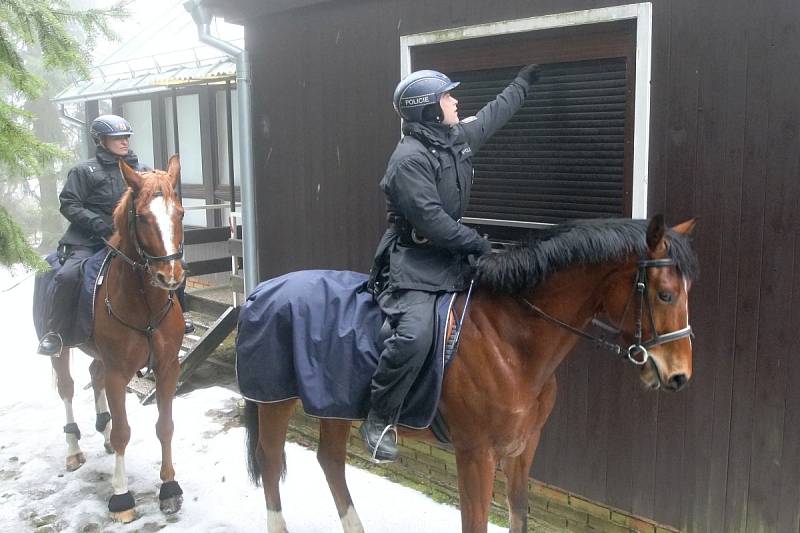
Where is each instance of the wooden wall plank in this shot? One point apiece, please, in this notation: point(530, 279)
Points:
point(780, 224)
point(750, 260)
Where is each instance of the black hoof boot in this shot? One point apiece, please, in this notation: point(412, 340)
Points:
point(50, 345)
point(380, 439)
point(170, 497)
point(121, 507)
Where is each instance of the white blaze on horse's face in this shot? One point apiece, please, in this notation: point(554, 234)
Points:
point(164, 214)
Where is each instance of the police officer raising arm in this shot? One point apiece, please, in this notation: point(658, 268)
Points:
point(424, 250)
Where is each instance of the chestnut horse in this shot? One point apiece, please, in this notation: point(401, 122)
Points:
point(137, 324)
point(529, 310)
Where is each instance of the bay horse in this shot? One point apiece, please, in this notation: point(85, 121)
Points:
point(137, 324)
point(529, 309)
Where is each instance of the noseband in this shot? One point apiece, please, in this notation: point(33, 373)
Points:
point(637, 353)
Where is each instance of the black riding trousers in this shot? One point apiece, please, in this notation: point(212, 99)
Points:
point(410, 315)
point(67, 286)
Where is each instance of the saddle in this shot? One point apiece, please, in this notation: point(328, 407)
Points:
point(313, 335)
point(92, 271)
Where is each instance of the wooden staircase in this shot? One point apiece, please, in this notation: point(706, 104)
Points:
point(213, 323)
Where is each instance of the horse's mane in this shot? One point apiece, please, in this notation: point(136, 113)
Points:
point(584, 242)
point(154, 182)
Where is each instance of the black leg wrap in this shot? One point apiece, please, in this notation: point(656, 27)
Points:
point(101, 421)
point(72, 427)
point(169, 489)
point(121, 502)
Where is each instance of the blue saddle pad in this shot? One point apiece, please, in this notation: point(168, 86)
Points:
point(312, 335)
point(44, 286)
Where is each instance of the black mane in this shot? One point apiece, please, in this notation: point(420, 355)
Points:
point(584, 242)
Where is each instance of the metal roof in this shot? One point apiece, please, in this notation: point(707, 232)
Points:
point(165, 53)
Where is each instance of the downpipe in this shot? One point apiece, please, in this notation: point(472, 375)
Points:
point(203, 16)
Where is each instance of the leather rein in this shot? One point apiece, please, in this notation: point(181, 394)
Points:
point(637, 353)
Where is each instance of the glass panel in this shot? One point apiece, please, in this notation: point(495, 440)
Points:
point(141, 119)
point(104, 106)
point(194, 217)
point(188, 136)
point(222, 137)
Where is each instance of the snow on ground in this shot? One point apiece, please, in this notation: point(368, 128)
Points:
point(37, 494)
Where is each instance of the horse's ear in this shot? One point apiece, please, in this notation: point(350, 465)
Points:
point(655, 235)
point(685, 227)
point(132, 178)
point(174, 169)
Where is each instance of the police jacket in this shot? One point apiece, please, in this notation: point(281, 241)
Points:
point(92, 191)
point(427, 186)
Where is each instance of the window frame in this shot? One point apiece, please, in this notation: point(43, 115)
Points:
point(211, 191)
point(640, 14)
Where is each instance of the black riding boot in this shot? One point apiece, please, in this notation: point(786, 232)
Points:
point(50, 344)
point(380, 438)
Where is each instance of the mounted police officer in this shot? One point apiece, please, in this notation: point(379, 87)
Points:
point(425, 248)
point(88, 199)
point(93, 189)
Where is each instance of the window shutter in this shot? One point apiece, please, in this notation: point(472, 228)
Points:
point(562, 155)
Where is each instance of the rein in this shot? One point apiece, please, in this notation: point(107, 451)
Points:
point(637, 353)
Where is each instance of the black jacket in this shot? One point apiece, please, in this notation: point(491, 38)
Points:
point(92, 191)
point(428, 183)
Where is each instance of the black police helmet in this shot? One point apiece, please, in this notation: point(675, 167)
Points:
point(418, 92)
point(109, 126)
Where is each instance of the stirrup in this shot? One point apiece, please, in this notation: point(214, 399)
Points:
point(374, 457)
point(58, 338)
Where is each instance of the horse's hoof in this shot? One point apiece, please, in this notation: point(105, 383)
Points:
point(124, 516)
point(108, 447)
point(121, 507)
point(171, 505)
point(76, 461)
point(170, 497)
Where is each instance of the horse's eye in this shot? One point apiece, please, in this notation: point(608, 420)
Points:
point(665, 297)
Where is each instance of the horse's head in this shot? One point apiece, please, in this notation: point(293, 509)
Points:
point(151, 216)
point(653, 311)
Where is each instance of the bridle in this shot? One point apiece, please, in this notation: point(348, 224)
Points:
point(637, 353)
point(142, 266)
point(148, 259)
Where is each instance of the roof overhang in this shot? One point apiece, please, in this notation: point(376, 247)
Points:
point(98, 87)
point(238, 11)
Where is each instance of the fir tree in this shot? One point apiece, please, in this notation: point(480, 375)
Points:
point(26, 25)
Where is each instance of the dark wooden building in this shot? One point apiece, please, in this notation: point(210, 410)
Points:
point(680, 107)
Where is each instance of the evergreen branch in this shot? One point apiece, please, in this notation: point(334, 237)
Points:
point(14, 248)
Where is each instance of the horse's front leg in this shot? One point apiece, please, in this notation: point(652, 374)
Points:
point(66, 390)
point(167, 368)
point(102, 414)
point(517, 469)
point(475, 481)
point(121, 505)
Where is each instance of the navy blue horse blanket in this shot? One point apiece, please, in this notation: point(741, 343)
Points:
point(314, 335)
point(44, 286)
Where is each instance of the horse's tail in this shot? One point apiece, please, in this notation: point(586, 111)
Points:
point(254, 453)
point(253, 449)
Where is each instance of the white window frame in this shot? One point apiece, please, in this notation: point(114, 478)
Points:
point(642, 13)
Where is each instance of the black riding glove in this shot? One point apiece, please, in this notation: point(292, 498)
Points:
point(101, 229)
point(486, 247)
point(529, 74)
